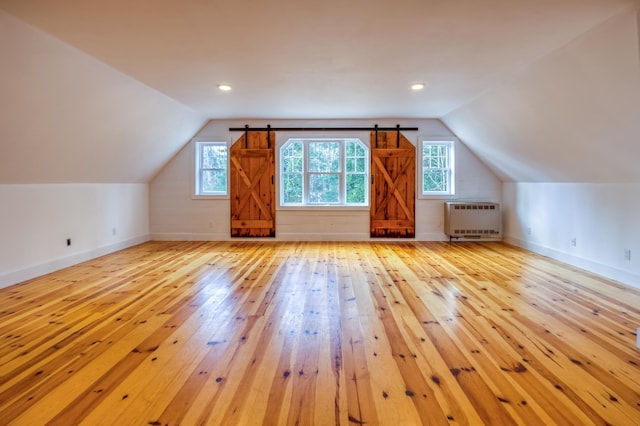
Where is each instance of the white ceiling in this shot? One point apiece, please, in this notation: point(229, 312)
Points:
point(318, 59)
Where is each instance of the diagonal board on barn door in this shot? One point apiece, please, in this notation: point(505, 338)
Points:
point(392, 186)
point(252, 186)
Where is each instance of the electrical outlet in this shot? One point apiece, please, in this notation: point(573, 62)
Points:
point(627, 254)
point(113, 232)
point(574, 242)
point(68, 242)
point(529, 230)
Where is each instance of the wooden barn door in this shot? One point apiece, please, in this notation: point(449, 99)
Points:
point(252, 191)
point(393, 175)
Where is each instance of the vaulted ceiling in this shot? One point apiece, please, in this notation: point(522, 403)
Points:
point(119, 79)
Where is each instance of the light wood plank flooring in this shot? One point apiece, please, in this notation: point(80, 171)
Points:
point(249, 333)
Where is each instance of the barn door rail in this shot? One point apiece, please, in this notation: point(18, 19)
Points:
point(246, 128)
point(246, 131)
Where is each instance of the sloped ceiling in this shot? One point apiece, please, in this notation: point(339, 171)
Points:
point(317, 59)
point(67, 118)
point(108, 90)
point(573, 116)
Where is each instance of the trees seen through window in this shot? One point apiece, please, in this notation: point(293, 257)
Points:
point(324, 172)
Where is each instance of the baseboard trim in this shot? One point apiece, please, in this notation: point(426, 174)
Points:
point(628, 278)
point(31, 272)
point(171, 236)
point(19, 276)
point(293, 237)
point(431, 237)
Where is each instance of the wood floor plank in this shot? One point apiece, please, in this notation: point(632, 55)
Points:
point(320, 333)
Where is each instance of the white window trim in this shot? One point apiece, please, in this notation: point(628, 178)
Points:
point(452, 142)
point(195, 168)
point(284, 137)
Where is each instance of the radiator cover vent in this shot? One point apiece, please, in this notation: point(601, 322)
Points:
point(478, 220)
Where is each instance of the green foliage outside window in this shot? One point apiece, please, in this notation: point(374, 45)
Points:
point(356, 171)
point(319, 172)
point(436, 167)
point(292, 174)
point(212, 168)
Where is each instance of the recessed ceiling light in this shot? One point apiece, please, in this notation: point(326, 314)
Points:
point(224, 87)
point(417, 86)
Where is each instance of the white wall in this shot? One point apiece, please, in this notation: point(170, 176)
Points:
point(36, 220)
point(79, 142)
point(602, 217)
point(174, 215)
point(572, 117)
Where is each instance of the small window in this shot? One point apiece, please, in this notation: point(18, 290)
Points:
point(319, 172)
point(438, 171)
point(211, 168)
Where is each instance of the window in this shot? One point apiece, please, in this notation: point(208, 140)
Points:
point(437, 169)
point(318, 172)
point(211, 168)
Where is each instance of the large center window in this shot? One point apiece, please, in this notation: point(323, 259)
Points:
point(324, 172)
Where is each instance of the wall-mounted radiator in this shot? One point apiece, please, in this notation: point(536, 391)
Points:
point(472, 220)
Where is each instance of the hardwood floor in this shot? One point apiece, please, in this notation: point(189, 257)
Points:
point(258, 332)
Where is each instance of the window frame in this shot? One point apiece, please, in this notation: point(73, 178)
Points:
point(198, 146)
point(306, 174)
point(450, 143)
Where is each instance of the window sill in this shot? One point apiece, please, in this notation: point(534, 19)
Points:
point(209, 197)
point(323, 208)
point(437, 197)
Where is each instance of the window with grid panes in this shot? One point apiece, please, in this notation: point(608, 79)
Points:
point(324, 172)
point(437, 168)
point(211, 168)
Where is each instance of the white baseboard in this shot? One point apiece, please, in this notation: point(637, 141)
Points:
point(181, 236)
point(625, 277)
point(431, 237)
point(15, 277)
point(21, 275)
point(294, 237)
point(304, 236)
